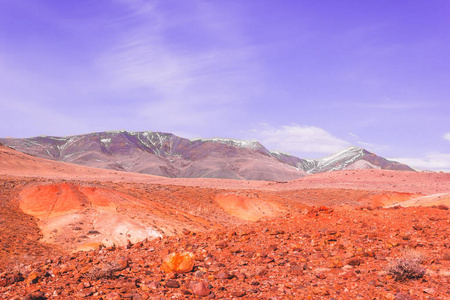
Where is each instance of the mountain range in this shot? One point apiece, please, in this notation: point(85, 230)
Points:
point(165, 154)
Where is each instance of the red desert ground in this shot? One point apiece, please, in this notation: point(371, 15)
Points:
point(71, 232)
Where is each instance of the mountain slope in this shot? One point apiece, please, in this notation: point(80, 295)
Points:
point(165, 154)
point(347, 159)
point(162, 154)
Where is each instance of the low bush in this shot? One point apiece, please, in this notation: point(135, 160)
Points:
point(442, 206)
point(408, 266)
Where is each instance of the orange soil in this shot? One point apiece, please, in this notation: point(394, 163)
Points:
point(248, 208)
point(387, 198)
point(49, 200)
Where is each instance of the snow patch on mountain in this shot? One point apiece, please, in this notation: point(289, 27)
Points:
point(247, 144)
point(105, 140)
point(278, 153)
point(339, 160)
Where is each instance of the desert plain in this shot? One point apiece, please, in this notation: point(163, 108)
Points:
point(75, 232)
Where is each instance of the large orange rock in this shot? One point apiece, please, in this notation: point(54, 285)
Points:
point(177, 262)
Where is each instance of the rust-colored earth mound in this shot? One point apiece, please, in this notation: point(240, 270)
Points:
point(79, 216)
point(19, 232)
point(82, 216)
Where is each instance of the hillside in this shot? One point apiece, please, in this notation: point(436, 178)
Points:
point(165, 154)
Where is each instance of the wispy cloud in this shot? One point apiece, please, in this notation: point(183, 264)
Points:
point(370, 146)
point(299, 139)
point(446, 136)
point(395, 105)
point(179, 86)
point(431, 161)
point(139, 65)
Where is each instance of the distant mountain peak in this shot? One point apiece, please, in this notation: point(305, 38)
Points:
point(165, 154)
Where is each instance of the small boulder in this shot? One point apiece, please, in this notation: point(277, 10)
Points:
point(178, 262)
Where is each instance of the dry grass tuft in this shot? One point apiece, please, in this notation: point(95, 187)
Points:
point(408, 266)
point(406, 236)
point(442, 206)
point(104, 270)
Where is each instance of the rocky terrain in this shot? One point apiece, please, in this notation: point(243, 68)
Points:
point(168, 155)
point(73, 232)
point(318, 254)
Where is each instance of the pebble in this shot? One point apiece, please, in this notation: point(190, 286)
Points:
point(199, 288)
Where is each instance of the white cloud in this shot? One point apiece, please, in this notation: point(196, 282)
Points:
point(446, 136)
point(432, 161)
point(299, 139)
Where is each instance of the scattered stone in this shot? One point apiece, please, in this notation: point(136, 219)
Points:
point(224, 275)
point(171, 283)
point(199, 288)
point(32, 278)
point(336, 263)
point(113, 296)
point(238, 293)
point(321, 276)
point(429, 291)
point(401, 296)
point(355, 262)
point(297, 271)
point(154, 285)
point(37, 295)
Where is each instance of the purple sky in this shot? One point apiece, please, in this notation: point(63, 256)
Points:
point(303, 77)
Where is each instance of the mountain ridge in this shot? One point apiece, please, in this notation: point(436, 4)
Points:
point(169, 155)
